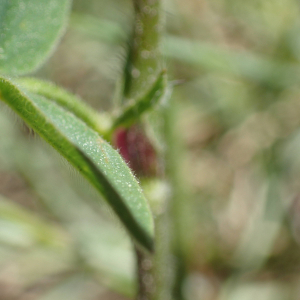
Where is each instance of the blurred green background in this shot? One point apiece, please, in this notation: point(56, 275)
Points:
point(235, 65)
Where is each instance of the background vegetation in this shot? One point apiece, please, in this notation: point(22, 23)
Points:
point(236, 74)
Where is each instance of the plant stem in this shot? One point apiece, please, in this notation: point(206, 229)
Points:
point(178, 203)
point(155, 272)
point(144, 62)
point(145, 276)
point(163, 259)
point(142, 70)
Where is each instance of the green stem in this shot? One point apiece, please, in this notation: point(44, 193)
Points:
point(178, 205)
point(163, 259)
point(144, 62)
point(143, 79)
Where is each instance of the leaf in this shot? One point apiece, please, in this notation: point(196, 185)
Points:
point(110, 257)
point(99, 122)
point(29, 31)
point(132, 112)
point(94, 158)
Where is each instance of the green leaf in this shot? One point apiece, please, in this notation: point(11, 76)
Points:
point(110, 257)
point(97, 121)
point(29, 30)
point(94, 158)
point(134, 109)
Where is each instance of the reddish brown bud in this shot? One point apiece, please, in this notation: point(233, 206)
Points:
point(136, 149)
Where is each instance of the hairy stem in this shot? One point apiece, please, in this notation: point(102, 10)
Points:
point(144, 62)
point(142, 71)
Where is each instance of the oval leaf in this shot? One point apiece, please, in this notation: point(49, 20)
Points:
point(89, 153)
point(29, 30)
